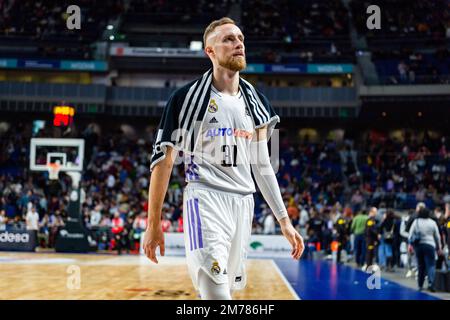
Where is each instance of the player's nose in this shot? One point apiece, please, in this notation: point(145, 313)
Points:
point(239, 44)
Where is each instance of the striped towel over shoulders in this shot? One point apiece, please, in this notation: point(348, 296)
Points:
point(185, 111)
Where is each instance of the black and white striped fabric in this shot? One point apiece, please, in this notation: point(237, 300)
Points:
point(185, 111)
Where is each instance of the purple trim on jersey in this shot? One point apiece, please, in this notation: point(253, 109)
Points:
point(191, 168)
point(189, 226)
point(192, 218)
point(199, 224)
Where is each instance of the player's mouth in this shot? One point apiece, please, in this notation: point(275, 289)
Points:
point(239, 54)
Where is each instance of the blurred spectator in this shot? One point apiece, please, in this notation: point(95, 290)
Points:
point(55, 223)
point(357, 201)
point(269, 222)
point(3, 220)
point(342, 227)
point(303, 221)
point(32, 219)
point(424, 235)
point(315, 229)
point(166, 225)
point(44, 231)
point(117, 229)
point(402, 70)
point(358, 227)
point(293, 212)
point(371, 235)
point(96, 217)
point(407, 259)
point(139, 226)
point(386, 237)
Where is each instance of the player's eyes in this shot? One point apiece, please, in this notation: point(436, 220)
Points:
point(232, 39)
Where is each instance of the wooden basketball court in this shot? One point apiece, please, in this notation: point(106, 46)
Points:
point(54, 276)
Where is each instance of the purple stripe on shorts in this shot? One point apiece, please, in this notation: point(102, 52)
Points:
point(189, 225)
point(199, 224)
point(192, 218)
point(188, 175)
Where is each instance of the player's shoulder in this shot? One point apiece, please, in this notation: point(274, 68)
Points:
point(177, 97)
point(181, 92)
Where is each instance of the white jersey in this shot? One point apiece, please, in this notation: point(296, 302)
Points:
point(222, 156)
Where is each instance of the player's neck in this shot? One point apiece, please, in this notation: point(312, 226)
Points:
point(226, 81)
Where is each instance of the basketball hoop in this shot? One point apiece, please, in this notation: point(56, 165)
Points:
point(53, 170)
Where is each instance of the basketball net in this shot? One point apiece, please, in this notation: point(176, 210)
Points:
point(53, 170)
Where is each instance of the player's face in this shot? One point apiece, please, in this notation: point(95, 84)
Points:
point(229, 47)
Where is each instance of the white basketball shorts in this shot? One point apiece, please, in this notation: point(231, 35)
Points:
point(217, 229)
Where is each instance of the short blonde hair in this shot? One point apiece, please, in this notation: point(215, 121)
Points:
point(213, 25)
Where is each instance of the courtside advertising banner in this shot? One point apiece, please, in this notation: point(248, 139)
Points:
point(20, 240)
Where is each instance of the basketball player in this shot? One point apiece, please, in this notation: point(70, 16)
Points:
point(222, 124)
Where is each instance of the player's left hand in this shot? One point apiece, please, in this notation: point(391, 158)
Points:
point(294, 238)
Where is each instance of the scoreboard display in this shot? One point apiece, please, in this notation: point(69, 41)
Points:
point(63, 116)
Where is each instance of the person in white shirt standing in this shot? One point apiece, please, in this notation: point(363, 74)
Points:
point(3, 220)
point(32, 219)
point(32, 223)
point(96, 217)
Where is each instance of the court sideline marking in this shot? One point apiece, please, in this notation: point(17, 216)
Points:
point(291, 290)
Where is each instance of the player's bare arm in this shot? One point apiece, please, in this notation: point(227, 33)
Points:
point(266, 180)
point(159, 181)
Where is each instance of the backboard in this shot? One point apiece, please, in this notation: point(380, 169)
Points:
point(69, 153)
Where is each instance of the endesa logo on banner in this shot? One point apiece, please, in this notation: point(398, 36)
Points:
point(17, 240)
point(13, 237)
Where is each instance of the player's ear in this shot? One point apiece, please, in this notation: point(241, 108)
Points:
point(209, 50)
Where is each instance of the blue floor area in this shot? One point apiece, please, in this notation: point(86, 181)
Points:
point(325, 280)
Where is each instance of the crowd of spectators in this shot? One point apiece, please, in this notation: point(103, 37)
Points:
point(47, 19)
point(286, 24)
point(410, 47)
point(410, 67)
point(44, 22)
point(276, 32)
point(318, 181)
point(416, 18)
point(189, 12)
point(403, 173)
point(291, 20)
point(296, 31)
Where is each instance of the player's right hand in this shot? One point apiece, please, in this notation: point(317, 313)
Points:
point(153, 237)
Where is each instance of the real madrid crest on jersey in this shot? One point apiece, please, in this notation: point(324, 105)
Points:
point(215, 269)
point(213, 107)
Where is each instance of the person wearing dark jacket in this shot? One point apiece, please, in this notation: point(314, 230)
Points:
point(447, 230)
point(386, 237)
point(316, 227)
point(371, 233)
point(342, 227)
point(357, 228)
